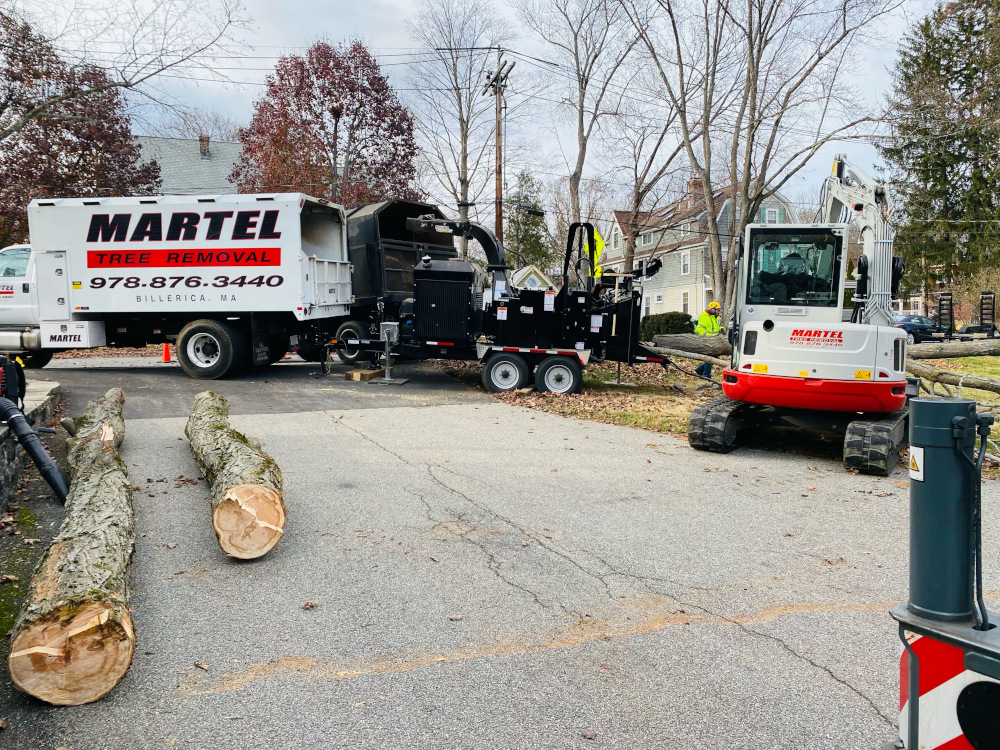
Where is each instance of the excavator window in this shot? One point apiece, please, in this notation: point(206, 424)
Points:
point(794, 268)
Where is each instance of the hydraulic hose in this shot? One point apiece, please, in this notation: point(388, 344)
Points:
point(28, 439)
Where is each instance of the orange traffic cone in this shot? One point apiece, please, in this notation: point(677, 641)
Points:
point(166, 352)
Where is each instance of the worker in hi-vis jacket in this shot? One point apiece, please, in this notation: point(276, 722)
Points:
point(708, 325)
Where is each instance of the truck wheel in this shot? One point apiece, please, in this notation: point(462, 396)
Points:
point(559, 374)
point(352, 329)
point(37, 359)
point(504, 371)
point(210, 349)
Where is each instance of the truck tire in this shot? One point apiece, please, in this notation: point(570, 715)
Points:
point(559, 374)
point(36, 360)
point(505, 371)
point(211, 349)
point(352, 329)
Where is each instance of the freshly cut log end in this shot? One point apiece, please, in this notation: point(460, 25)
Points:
point(75, 654)
point(249, 520)
point(73, 639)
point(247, 510)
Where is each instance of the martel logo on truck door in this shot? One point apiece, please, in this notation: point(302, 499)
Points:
point(184, 226)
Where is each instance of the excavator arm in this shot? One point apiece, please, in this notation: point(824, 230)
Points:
point(849, 192)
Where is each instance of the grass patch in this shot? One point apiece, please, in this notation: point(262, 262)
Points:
point(650, 398)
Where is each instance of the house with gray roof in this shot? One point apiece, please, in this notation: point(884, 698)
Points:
point(677, 234)
point(190, 166)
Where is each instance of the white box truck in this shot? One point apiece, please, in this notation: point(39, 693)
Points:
point(232, 280)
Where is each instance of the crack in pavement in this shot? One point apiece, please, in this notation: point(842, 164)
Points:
point(492, 563)
point(647, 581)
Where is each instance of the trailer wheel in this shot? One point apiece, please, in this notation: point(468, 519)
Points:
point(559, 374)
point(352, 329)
point(37, 359)
point(211, 349)
point(505, 371)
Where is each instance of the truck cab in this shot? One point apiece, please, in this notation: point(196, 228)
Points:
point(18, 295)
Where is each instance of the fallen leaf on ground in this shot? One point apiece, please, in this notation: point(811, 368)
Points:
point(810, 488)
point(310, 605)
point(455, 618)
point(31, 541)
point(4, 578)
point(4, 724)
point(589, 734)
point(903, 485)
point(201, 666)
point(171, 546)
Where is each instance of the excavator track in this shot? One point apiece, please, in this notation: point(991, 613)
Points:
point(872, 445)
point(716, 425)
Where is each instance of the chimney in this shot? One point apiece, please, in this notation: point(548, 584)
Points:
point(203, 147)
point(696, 190)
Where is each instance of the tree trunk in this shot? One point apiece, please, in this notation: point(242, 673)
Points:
point(950, 349)
point(248, 513)
point(667, 352)
point(950, 377)
point(73, 640)
point(715, 346)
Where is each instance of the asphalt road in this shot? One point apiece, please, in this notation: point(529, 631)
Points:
point(491, 577)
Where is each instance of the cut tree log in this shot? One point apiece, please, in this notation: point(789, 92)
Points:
point(714, 346)
point(73, 639)
point(950, 377)
point(248, 513)
point(952, 349)
point(690, 355)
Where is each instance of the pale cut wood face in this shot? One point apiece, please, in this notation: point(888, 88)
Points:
point(73, 656)
point(249, 520)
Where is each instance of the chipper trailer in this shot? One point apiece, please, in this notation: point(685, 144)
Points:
point(543, 335)
point(795, 361)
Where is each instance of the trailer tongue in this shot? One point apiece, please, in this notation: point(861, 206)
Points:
point(553, 334)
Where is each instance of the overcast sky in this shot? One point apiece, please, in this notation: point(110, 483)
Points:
point(283, 27)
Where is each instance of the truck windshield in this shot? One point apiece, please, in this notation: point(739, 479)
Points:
point(14, 261)
point(794, 268)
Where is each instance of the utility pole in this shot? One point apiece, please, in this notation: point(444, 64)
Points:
point(497, 83)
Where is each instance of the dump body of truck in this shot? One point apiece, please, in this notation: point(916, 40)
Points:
point(234, 280)
point(226, 253)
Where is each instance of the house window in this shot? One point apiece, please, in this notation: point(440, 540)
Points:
point(646, 305)
point(659, 299)
point(685, 264)
point(686, 302)
point(614, 239)
point(772, 216)
point(647, 239)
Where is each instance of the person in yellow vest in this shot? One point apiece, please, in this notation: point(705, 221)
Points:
point(708, 325)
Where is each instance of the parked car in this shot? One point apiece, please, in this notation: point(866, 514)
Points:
point(918, 328)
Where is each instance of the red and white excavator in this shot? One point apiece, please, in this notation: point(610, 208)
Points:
point(796, 362)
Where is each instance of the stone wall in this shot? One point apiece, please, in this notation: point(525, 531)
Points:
point(12, 455)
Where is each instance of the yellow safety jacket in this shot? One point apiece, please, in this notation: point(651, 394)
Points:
point(708, 324)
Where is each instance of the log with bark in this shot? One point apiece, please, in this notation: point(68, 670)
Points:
point(713, 346)
point(248, 513)
point(952, 377)
point(952, 349)
point(73, 639)
point(690, 355)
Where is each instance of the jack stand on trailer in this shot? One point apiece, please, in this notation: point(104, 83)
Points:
point(390, 335)
point(950, 663)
